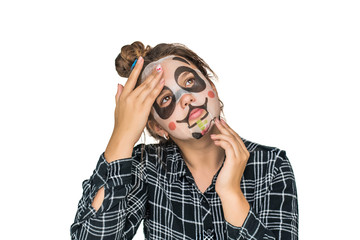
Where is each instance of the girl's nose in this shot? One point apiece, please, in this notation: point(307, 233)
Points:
point(187, 99)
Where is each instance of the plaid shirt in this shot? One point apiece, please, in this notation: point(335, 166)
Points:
point(156, 185)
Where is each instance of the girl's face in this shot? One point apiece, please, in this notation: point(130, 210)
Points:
point(188, 105)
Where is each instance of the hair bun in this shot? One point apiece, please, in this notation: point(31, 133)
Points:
point(127, 56)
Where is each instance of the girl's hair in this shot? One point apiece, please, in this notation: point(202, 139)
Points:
point(129, 53)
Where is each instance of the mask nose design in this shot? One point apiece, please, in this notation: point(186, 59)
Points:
point(186, 100)
point(179, 94)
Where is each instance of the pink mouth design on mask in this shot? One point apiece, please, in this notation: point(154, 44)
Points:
point(195, 113)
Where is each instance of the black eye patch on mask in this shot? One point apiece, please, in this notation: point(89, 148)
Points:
point(165, 112)
point(199, 84)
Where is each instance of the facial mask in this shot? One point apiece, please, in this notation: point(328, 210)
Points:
point(187, 106)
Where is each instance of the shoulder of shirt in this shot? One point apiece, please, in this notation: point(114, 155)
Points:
point(151, 153)
point(150, 159)
point(275, 156)
point(254, 146)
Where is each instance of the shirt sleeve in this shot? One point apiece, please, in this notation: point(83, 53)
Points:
point(278, 216)
point(124, 202)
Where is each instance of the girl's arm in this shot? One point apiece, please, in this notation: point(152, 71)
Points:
point(122, 208)
point(119, 206)
point(278, 216)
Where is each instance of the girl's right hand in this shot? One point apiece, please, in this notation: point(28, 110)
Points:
point(132, 111)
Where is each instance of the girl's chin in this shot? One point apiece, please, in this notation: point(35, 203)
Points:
point(206, 130)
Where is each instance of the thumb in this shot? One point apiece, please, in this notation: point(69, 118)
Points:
point(120, 88)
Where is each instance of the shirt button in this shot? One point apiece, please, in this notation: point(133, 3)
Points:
point(209, 231)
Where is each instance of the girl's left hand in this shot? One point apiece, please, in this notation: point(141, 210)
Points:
point(228, 180)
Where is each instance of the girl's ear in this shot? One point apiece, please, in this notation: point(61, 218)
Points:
point(156, 128)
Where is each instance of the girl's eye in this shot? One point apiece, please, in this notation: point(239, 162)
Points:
point(189, 82)
point(165, 100)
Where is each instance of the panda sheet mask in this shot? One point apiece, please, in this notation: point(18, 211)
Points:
point(187, 106)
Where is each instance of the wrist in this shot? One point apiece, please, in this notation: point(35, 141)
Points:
point(118, 148)
point(123, 136)
point(230, 196)
point(230, 193)
point(235, 208)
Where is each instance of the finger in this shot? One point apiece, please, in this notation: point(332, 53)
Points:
point(221, 127)
point(225, 129)
point(149, 83)
point(131, 82)
point(229, 128)
point(148, 92)
point(242, 144)
point(229, 150)
point(158, 70)
point(231, 140)
point(151, 97)
point(119, 91)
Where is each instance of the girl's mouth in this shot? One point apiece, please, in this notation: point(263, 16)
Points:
point(195, 113)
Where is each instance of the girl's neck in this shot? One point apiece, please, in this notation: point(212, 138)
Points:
point(202, 155)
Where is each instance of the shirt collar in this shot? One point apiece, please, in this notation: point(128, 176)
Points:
point(175, 164)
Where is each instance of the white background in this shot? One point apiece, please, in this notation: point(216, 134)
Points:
point(288, 74)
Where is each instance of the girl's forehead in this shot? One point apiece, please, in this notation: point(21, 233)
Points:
point(174, 68)
point(168, 63)
point(169, 67)
point(171, 64)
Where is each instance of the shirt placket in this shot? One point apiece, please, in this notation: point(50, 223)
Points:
point(206, 215)
point(207, 218)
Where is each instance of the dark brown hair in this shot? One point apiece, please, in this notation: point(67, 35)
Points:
point(129, 53)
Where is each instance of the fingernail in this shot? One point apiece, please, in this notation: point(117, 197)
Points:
point(162, 81)
point(140, 59)
point(158, 68)
point(212, 135)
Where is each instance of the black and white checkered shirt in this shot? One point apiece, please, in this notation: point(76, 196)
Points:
point(156, 185)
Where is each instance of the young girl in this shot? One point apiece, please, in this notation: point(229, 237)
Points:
point(201, 181)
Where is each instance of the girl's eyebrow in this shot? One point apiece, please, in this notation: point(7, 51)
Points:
point(181, 60)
